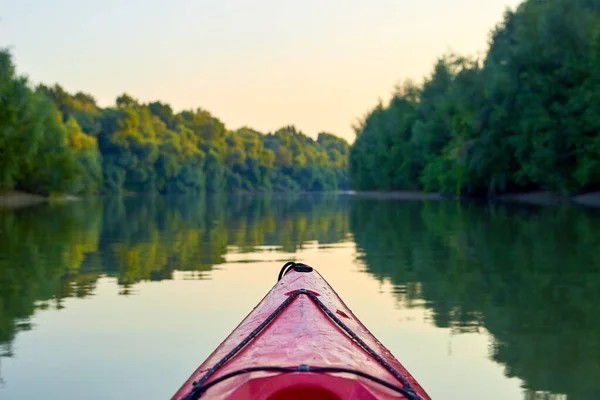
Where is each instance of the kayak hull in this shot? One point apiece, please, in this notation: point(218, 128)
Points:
point(301, 334)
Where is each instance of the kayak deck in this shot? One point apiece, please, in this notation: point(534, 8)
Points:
point(301, 341)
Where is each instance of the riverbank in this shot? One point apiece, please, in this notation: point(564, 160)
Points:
point(400, 195)
point(18, 199)
point(537, 198)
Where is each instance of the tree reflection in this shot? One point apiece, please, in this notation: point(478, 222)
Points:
point(48, 254)
point(530, 276)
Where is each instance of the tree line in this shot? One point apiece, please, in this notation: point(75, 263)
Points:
point(53, 141)
point(523, 118)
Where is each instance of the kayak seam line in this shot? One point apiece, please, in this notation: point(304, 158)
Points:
point(364, 345)
point(246, 340)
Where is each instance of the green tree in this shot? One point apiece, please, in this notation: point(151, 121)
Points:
point(34, 155)
point(521, 119)
point(54, 141)
point(87, 156)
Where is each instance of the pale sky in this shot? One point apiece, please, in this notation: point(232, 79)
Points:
point(318, 64)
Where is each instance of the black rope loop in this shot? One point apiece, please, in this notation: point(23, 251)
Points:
point(199, 391)
point(298, 267)
point(285, 269)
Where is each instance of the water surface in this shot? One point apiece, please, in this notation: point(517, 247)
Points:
point(121, 298)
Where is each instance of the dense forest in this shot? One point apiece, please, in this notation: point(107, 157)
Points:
point(526, 117)
point(53, 141)
point(522, 118)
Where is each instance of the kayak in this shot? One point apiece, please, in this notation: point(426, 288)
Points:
point(301, 341)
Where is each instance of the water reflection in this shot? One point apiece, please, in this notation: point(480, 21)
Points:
point(530, 276)
point(48, 254)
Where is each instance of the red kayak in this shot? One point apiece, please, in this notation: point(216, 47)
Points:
point(301, 341)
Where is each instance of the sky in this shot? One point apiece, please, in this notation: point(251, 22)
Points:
point(317, 64)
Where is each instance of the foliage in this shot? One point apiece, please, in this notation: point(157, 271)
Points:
point(51, 140)
point(34, 154)
point(523, 118)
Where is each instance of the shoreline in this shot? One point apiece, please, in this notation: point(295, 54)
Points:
point(541, 198)
point(14, 199)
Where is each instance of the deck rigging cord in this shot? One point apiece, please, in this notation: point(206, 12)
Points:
point(200, 386)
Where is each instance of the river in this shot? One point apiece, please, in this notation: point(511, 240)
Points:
point(122, 298)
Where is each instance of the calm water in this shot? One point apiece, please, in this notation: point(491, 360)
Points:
point(123, 298)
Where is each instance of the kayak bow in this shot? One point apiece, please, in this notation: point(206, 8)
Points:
point(301, 341)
